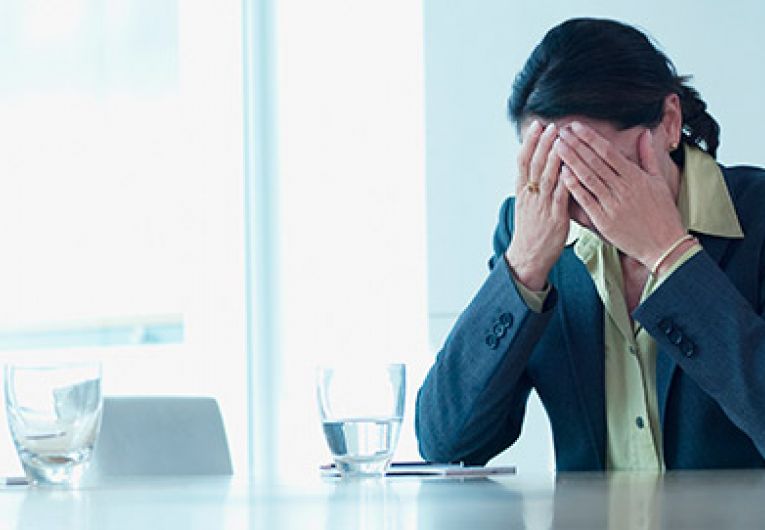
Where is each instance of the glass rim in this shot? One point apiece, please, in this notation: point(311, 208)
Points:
point(345, 365)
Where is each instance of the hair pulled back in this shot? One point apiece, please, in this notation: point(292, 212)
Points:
point(610, 71)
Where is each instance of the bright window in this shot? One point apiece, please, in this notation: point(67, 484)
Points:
point(351, 196)
point(140, 181)
point(122, 195)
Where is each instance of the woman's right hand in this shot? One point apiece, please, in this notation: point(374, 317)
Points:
point(541, 217)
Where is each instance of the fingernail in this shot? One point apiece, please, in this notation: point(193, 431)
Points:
point(576, 126)
point(535, 125)
point(550, 127)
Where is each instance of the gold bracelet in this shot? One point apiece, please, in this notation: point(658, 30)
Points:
point(670, 250)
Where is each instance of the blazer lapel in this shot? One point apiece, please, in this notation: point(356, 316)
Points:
point(582, 318)
point(665, 364)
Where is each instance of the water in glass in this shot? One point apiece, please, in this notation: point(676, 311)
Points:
point(361, 410)
point(54, 413)
point(363, 444)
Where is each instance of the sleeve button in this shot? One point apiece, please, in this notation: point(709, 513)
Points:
point(492, 341)
point(506, 319)
point(666, 326)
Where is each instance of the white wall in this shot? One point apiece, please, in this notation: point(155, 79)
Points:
point(472, 52)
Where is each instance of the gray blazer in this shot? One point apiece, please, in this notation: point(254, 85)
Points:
point(707, 320)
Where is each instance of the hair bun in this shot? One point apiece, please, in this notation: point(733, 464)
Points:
point(699, 127)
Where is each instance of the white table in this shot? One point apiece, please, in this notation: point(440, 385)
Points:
point(677, 500)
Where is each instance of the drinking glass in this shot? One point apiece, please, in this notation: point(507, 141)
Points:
point(54, 413)
point(361, 411)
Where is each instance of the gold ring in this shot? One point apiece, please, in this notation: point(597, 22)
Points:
point(532, 186)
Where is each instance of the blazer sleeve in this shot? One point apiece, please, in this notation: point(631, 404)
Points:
point(715, 336)
point(473, 400)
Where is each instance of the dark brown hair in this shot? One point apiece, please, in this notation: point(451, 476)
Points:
point(607, 70)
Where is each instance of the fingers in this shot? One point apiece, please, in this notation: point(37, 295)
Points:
point(581, 195)
point(588, 167)
point(604, 149)
point(548, 180)
point(528, 147)
point(560, 198)
point(541, 156)
point(647, 154)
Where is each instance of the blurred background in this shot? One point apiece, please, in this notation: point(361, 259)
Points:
point(215, 198)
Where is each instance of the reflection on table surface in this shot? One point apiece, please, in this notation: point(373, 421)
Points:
point(708, 499)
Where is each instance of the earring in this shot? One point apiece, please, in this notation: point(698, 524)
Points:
point(673, 146)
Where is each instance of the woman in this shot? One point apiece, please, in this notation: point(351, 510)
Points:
point(626, 284)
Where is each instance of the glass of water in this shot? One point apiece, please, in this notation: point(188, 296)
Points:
point(361, 410)
point(54, 413)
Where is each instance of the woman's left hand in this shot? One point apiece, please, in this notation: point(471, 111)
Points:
point(630, 205)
